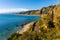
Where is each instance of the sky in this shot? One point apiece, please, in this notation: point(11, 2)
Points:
point(24, 5)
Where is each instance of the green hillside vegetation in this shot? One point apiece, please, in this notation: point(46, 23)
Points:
point(46, 28)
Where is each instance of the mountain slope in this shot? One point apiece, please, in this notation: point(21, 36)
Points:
point(46, 28)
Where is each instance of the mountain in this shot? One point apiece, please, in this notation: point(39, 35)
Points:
point(46, 28)
point(30, 12)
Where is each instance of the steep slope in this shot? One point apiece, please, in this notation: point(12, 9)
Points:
point(46, 28)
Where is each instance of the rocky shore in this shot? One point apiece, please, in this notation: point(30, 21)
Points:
point(25, 28)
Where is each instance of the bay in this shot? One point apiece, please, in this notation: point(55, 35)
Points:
point(10, 23)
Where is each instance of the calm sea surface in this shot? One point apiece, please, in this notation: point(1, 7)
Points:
point(10, 23)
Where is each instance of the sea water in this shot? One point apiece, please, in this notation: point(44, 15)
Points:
point(10, 23)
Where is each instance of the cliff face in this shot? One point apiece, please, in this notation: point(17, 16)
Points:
point(47, 28)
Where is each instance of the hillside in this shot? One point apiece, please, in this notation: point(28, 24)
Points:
point(30, 12)
point(46, 28)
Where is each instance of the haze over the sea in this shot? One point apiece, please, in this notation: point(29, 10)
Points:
point(12, 10)
point(24, 5)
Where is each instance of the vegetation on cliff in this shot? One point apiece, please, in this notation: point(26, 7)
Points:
point(47, 28)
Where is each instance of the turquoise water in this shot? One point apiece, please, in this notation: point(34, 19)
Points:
point(9, 22)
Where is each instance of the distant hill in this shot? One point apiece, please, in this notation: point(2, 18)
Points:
point(46, 28)
point(31, 12)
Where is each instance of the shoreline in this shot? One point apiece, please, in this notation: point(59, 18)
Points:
point(22, 14)
point(25, 15)
point(24, 28)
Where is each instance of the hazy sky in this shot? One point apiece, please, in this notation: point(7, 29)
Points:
point(26, 4)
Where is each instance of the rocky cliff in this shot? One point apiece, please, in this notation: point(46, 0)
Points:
point(46, 28)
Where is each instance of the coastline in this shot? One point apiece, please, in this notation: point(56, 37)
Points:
point(25, 15)
point(25, 28)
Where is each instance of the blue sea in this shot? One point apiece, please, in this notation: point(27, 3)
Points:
point(10, 23)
